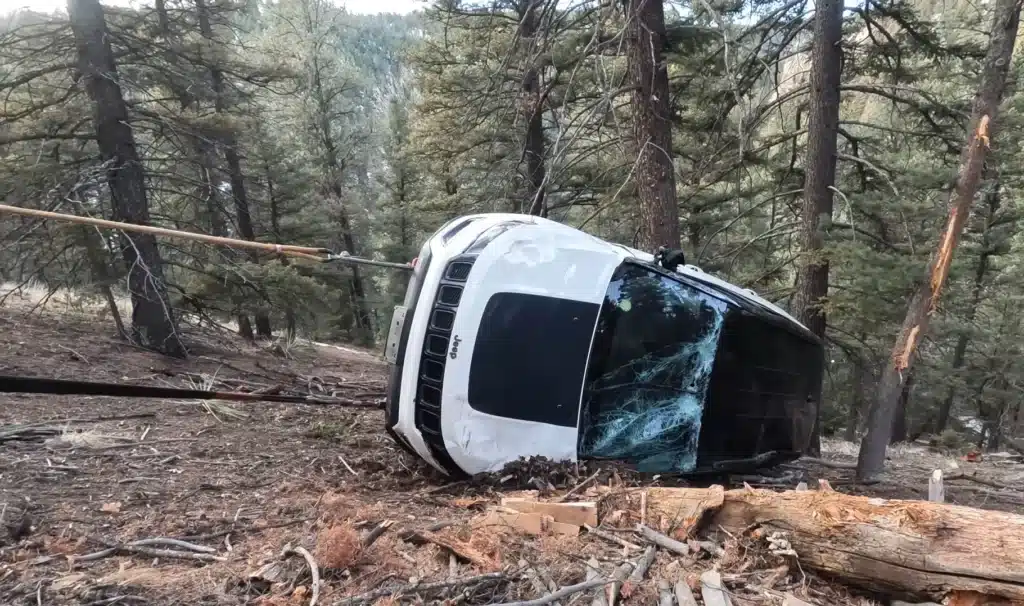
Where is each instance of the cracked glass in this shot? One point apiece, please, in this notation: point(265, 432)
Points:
point(650, 364)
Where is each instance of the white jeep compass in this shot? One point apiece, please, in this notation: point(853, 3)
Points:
point(521, 336)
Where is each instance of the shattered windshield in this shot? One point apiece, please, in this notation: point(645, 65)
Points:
point(650, 364)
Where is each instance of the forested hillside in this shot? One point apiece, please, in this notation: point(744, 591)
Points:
point(810, 156)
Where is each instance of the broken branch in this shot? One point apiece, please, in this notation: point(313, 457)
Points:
point(662, 541)
point(173, 543)
point(973, 477)
point(376, 533)
point(618, 578)
point(824, 463)
point(578, 487)
point(644, 563)
point(463, 551)
point(684, 595)
point(314, 571)
point(151, 552)
point(423, 588)
point(563, 592)
point(712, 590)
point(905, 547)
point(607, 536)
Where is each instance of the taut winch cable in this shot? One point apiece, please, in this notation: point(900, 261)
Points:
point(37, 385)
point(62, 387)
point(321, 255)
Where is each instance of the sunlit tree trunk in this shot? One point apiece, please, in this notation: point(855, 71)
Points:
point(819, 178)
point(654, 172)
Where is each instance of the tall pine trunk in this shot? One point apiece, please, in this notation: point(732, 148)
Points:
point(96, 253)
point(275, 229)
point(819, 178)
point(323, 89)
point(241, 198)
point(335, 169)
point(208, 192)
point(153, 322)
point(263, 328)
point(960, 351)
point(899, 423)
point(861, 382)
point(652, 125)
point(1005, 22)
point(532, 103)
point(364, 323)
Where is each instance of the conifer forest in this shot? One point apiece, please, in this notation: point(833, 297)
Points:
point(855, 163)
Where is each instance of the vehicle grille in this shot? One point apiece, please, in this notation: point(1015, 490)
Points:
point(458, 270)
point(435, 353)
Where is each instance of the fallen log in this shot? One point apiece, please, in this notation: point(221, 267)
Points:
point(678, 512)
point(906, 549)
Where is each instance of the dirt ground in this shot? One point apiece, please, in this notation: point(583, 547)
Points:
point(83, 477)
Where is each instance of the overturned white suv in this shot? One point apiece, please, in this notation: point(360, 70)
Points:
point(520, 336)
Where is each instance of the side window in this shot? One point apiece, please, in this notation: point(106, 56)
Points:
point(653, 353)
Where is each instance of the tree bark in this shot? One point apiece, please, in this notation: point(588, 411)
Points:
point(153, 322)
point(899, 425)
point(652, 126)
point(335, 169)
point(96, 252)
point(363, 322)
point(161, 16)
point(819, 178)
point(994, 423)
point(241, 198)
point(275, 229)
point(203, 148)
point(861, 379)
point(960, 351)
point(205, 156)
point(986, 103)
point(238, 193)
point(532, 103)
point(913, 550)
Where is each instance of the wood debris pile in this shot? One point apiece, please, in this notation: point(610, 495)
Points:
point(605, 539)
point(716, 547)
point(535, 533)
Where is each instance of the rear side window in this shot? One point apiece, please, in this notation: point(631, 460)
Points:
point(530, 358)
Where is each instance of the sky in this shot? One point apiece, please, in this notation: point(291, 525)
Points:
point(355, 6)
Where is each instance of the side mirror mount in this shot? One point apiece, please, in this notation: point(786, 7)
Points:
point(670, 258)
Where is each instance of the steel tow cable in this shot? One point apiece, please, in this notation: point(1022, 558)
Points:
point(39, 385)
point(320, 255)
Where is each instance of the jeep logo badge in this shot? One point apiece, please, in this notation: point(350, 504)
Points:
point(455, 347)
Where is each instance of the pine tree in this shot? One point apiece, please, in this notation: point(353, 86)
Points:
point(820, 173)
point(1006, 17)
point(153, 320)
point(652, 124)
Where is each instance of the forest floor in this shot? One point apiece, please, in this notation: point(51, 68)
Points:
point(250, 482)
